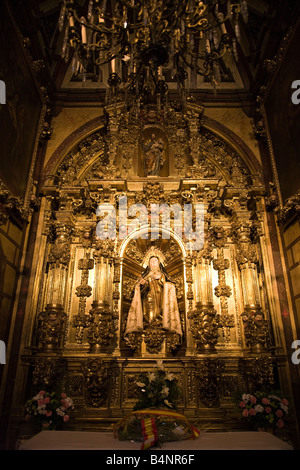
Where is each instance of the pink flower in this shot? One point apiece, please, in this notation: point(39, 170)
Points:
point(252, 412)
point(46, 400)
point(268, 409)
point(42, 392)
point(40, 402)
point(45, 425)
point(280, 423)
point(48, 413)
point(253, 399)
point(265, 401)
point(64, 395)
point(242, 404)
point(279, 413)
point(284, 401)
point(66, 418)
point(245, 413)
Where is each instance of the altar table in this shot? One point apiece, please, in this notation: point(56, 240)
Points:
point(84, 440)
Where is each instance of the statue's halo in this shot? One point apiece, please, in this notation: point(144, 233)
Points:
point(153, 251)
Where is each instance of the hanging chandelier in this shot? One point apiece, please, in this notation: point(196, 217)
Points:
point(137, 38)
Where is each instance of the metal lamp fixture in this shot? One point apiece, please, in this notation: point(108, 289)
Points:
point(140, 37)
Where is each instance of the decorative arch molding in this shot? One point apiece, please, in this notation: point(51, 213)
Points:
point(63, 156)
point(135, 234)
point(236, 142)
point(70, 142)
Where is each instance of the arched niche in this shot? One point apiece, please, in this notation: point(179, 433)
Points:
point(135, 253)
point(89, 137)
point(153, 147)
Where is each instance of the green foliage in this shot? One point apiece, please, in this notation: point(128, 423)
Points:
point(48, 410)
point(158, 389)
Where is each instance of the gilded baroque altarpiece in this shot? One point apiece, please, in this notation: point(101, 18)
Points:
point(83, 285)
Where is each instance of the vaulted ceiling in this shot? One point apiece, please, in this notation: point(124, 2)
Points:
point(269, 22)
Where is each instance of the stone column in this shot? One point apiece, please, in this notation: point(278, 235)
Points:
point(203, 319)
point(223, 292)
point(101, 325)
point(102, 280)
point(51, 321)
point(204, 282)
point(255, 325)
point(83, 291)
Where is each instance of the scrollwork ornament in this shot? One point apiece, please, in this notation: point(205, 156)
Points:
point(50, 329)
point(204, 327)
point(83, 290)
point(11, 205)
point(105, 249)
point(255, 329)
point(290, 209)
point(101, 327)
point(154, 339)
point(59, 254)
point(45, 370)
point(209, 375)
point(258, 373)
point(223, 291)
point(96, 377)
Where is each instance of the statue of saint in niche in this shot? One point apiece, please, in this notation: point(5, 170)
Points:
point(154, 156)
point(154, 301)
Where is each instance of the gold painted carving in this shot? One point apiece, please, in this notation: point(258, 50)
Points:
point(209, 374)
point(96, 377)
point(258, 373)
point(101, 327)
point(204, 327)
point(51, 326)
point(46, 371)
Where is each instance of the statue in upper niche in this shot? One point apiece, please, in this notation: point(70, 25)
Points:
point(154, 155)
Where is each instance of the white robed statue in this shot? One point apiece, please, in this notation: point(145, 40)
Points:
point(154, 301)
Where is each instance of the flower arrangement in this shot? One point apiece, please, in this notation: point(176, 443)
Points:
point(264, 410)
point(155, 419)
point(48, 410)
point(158, 389)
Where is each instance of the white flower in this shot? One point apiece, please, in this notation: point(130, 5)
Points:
point(170, 376)
point(68, 402)
point(275, 397)
point(165, 391)
point(246, 397)
point(168, 403)
point(151, 376)
point(59, 412)
point(160, 365)
point(42, 409)
point(259, 408)
point(140, 384)
point(38, 397)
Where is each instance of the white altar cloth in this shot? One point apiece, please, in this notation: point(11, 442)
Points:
point(77, 440)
